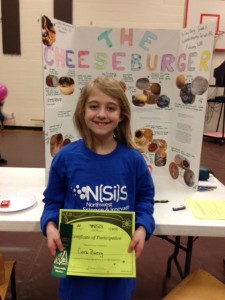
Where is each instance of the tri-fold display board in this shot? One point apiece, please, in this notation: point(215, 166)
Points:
point(165, 75)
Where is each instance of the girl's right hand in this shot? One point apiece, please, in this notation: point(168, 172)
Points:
point(53, 238)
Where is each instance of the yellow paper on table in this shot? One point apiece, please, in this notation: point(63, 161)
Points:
point(99, 243)
point(207, 209)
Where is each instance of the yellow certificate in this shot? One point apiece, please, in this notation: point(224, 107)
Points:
point(99, 243)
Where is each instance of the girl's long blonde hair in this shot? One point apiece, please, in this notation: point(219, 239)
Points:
point(114, 89)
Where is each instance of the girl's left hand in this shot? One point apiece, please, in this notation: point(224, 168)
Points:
point(138, 241)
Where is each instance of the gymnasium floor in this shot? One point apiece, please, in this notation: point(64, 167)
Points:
point(25, 148)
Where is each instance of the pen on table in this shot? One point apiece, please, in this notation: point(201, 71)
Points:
point(206, 188)
point(182, 207)
point(161, 201)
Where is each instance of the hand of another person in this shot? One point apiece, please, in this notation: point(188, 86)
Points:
point(138, 241)
point(53, 238)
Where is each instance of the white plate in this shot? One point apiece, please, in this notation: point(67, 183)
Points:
point(17, 202)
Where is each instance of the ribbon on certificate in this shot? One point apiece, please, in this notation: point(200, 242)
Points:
point(61, 259)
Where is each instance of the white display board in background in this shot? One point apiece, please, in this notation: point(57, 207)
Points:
point(165, 73)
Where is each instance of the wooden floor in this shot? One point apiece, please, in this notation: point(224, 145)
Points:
point(25, 148)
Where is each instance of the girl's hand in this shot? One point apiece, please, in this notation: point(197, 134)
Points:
point(53, 238)
point(138, 241)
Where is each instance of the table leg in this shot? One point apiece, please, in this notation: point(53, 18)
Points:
point(13, 283)
point(174, 256)
point(189, 247)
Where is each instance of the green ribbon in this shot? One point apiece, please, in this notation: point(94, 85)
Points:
point(61, 259)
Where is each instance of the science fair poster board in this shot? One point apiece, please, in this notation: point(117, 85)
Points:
point(165, 74)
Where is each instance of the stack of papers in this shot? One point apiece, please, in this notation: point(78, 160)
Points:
point(207, 209)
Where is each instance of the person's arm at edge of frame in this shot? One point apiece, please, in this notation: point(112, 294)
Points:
point(50, 215)
point(144, 208)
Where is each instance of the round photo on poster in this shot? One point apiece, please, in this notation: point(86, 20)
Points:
point(153, 146)
point(189, 177)
point(155, 88)
point(182, 162)
point(199, 85)
point(186, 94)
point(56, 142)
point(66, 85)
point(157, 145)
point(160, 159)
point(143, 136)
point(180, 81)
point(52, 81)
point(174, 170)
point(143, 84)
point(163, 101)
point(48, 31)
point(162, 144)
point(139, 99)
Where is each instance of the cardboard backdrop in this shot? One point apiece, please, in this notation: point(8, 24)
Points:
point(165, 74)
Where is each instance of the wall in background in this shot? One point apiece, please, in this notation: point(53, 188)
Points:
point(22, 74)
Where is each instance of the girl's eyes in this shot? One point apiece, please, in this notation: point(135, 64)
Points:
point(108, 108)
point(93, 106)
point(111, 108)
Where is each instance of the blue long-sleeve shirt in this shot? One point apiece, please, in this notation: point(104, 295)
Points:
point(81, 179)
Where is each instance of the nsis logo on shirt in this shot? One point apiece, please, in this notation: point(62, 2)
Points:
point(101, 193)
